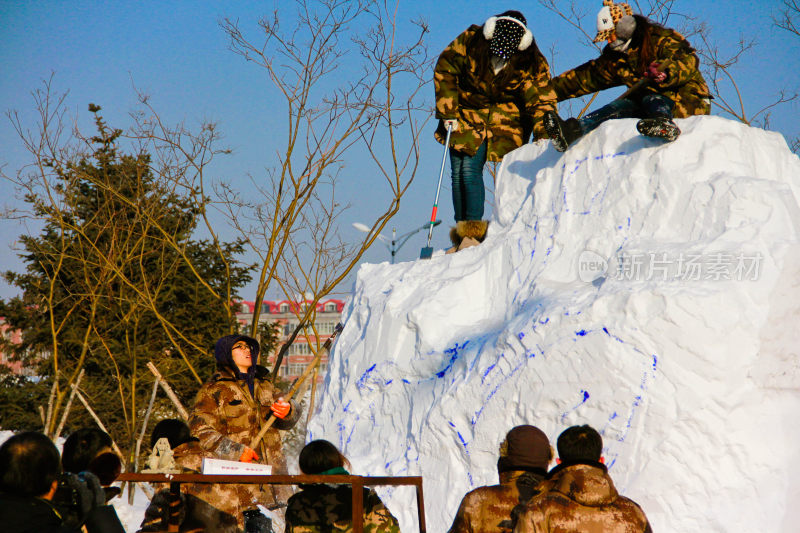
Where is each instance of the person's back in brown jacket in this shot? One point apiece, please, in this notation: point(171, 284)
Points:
point(524, 456)
point(579, 494)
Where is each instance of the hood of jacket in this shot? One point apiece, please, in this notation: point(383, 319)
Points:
point(224, 357)
point(585, 483)
point(223, 346)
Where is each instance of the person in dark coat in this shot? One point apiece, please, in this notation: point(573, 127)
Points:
point(578, 494)
point(525, 454)
point(324, 508)
point(638, 49)
point(90, 449)
point(29, 470)
point(492, 90)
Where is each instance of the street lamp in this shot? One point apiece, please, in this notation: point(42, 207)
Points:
point(395, 243)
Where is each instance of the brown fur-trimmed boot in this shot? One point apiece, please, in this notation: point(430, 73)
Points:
point(467, 233)
point(455, 238)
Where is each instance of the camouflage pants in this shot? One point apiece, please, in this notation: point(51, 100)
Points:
point(467, 183)
point(652, 105)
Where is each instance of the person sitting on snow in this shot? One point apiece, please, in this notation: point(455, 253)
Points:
point(578, 494)
point(525, 454)
point(637, 48)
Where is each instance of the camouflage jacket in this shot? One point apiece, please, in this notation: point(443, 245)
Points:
point(684, 84)
point(495, 508)
point(202, 506)
point(226, 419)
point(328, 509)
point(502, 109)
point(581, 497)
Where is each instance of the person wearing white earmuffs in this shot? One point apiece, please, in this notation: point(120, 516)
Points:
point(492, 91)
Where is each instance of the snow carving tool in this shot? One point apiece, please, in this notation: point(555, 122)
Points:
point(427, 251)
point(326, 348)
point(284, 349)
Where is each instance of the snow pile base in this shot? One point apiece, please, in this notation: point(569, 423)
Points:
point(648, 289)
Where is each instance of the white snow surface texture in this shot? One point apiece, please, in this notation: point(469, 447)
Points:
point(687, 364)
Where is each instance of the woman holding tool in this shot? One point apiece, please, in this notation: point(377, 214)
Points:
point(229, 411)
point(492, 90)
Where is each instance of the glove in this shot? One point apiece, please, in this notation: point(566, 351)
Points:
point(281, 408)
point(248, 456)
point(451, 123)
point(94, 493)
point(653, 73)
point(77, 496)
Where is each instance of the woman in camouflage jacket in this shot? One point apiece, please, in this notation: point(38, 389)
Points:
point(229, 411)
point(492, 88)
point(328, 508)
point(638, 49)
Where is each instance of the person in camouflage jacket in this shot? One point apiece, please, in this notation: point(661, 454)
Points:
point(638, 49)
point(200, 507)
point(229, 411)
point(492, 89)
point(578, 495)
point(327, 508)
point(525, 454)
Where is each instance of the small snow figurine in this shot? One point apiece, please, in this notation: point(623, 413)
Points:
point(161, 460)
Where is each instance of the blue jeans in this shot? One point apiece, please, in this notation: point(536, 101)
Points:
point(652, 105)
point(467, 183)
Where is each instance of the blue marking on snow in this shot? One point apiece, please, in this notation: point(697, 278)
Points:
point(503, 379)
point(613, 336)
point(362, 380)
point(545, 321)
point(584, 398)
point(520, 335)
point(350, 436)
point(388, 382)
point(463, 442)
point(451, 424)
point(405, 380)
point(581, 333)
point(487, 371)
point(346, 408)
point(655, 361)
point(453, 352)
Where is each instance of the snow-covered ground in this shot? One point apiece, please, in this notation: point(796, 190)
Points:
point(648, 289)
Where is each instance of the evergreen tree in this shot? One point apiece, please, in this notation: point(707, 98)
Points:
point(115, 279)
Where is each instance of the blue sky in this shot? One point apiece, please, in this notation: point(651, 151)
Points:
point(177, 53)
